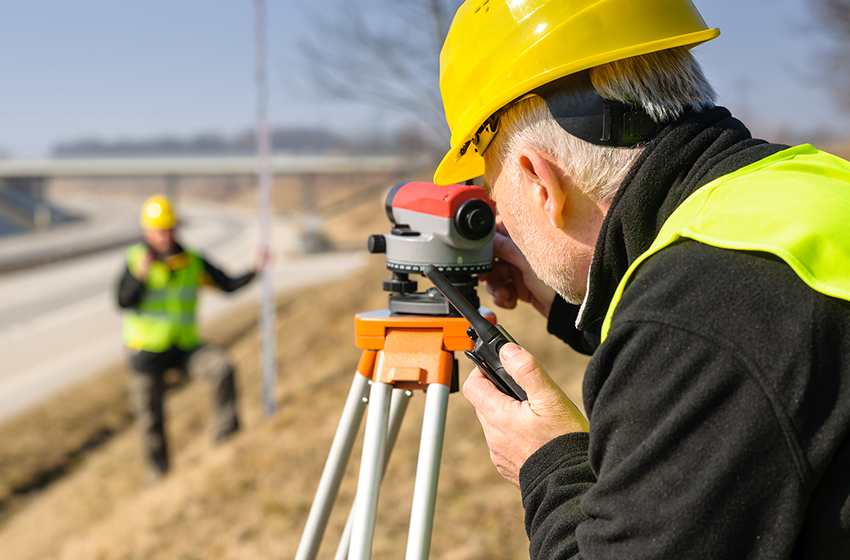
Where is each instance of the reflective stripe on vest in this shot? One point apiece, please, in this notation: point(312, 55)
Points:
point(794, 204)
point(165, 316)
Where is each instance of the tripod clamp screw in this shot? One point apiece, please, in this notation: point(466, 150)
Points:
point(400, 283)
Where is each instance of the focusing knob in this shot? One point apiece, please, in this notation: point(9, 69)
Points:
point(377, 244)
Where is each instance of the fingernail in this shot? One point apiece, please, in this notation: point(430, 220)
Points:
point(508, 350)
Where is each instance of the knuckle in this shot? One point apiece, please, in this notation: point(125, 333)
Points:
point(467, 386)
point(470, 388)
point(523, 363)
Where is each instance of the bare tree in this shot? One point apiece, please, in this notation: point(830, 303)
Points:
point(382, 52)
point(834, 15)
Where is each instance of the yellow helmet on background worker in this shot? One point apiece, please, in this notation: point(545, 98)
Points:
point(157, 213)
point(499, 50)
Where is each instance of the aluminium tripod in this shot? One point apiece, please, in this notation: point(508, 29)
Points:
point(401, 353)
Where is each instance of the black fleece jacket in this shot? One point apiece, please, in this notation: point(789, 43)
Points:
point(719, 404)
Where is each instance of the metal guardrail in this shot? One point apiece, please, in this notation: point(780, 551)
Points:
point(60, 252)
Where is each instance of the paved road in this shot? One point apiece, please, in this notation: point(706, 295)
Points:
point(59, 322)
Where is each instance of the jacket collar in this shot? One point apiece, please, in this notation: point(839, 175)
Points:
point(685, 155)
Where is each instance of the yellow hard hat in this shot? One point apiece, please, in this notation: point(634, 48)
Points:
point(499, 50)
point(157, 213)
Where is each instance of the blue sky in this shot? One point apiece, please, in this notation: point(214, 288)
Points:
point(118, 69)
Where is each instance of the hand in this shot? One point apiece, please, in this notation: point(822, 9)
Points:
point(514, 430)
point(262, 257)
point(145, 265)
point(512, 279)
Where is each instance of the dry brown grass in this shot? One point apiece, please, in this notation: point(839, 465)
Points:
point(249, 498)
point(47, 442)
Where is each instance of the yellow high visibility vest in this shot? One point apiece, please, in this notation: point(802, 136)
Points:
point(794, 204)
point(165, 316)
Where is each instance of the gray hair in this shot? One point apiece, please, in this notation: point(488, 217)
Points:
point(665, 84)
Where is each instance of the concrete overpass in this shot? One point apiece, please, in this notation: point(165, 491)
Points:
point(203, 166)
point(23, 205)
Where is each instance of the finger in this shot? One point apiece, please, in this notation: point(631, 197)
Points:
point(513, 266)
point(520, 288)
point(505, 302)
point(500, 273)
point(499, 284)
point(481, 393)
point(505, 249)
point(503, 295)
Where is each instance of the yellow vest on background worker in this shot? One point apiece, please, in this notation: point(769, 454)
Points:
point(165, 316)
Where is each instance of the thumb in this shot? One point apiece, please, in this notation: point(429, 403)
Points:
point(544, 395)
point(525, 369)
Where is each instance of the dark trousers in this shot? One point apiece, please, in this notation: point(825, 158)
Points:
point(147, 387)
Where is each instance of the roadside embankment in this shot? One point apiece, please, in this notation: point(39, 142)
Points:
point(249, 497)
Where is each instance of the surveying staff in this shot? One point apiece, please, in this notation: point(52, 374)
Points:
point(707, 272)
point(159, 288)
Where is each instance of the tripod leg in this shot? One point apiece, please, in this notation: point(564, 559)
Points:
point(326, 494)
point(427, 472)
point(398, 406)
point(369, 481)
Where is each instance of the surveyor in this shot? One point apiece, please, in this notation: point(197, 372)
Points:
point(159, 289)
point(706, 272)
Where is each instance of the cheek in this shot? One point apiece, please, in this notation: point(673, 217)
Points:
point(511, 228)
point(505, 212)
point(506, 221)
point(513, 219)
point(159, 241)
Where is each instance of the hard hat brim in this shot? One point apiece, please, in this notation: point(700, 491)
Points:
point(161, 225)
point(456, 168)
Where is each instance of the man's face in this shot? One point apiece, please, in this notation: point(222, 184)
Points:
point(160, 240)
point(554, 256)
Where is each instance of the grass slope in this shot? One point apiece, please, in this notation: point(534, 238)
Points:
point(249, 498)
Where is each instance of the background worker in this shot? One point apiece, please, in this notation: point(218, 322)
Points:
point(159, 290)
point(707, 272)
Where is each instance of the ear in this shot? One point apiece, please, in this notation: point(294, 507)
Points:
point(543, 180)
